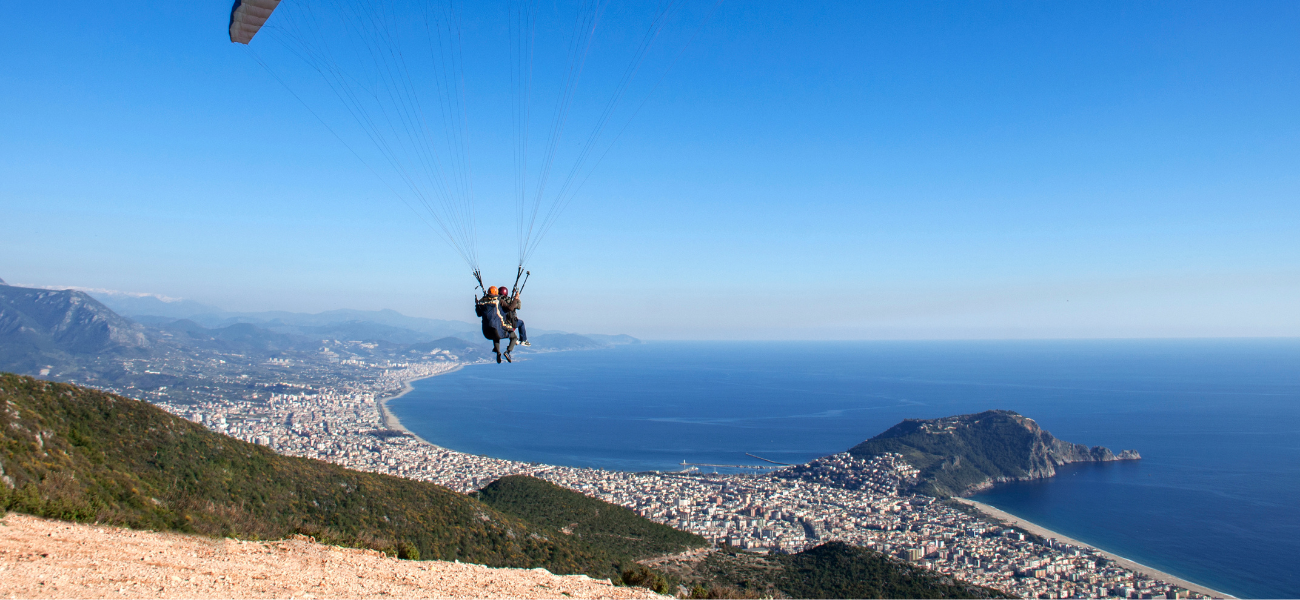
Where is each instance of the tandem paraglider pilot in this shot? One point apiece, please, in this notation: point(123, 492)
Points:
point(496, 325)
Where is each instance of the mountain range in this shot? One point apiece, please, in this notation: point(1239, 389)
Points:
point(70, 334)
point(366, 325)
point(43, 328)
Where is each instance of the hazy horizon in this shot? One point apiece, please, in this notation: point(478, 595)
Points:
point(979, 336)
point(835, 170)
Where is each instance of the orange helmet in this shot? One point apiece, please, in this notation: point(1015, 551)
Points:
point(492, 291)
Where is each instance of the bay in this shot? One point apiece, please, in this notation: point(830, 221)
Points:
point(1217, 422)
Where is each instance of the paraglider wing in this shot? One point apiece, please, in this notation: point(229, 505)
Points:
point(247, 17)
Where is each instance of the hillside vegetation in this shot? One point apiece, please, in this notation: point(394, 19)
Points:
point(961, 454)
point(838, 570)
point(613, 529)
point(82, 455)
point(832, 570)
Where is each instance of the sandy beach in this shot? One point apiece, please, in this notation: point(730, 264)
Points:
point(1010, 519)
point(392, 422)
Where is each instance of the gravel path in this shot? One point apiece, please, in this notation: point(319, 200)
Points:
point(41, 558)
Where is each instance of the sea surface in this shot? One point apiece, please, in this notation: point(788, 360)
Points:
point(1215, 499)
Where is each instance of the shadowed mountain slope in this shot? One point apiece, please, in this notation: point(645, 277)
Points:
point(39, 327)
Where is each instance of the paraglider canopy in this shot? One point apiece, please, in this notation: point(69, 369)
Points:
point(247, 18)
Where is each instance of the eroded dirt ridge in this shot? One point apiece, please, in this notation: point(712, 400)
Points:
point(42, 558)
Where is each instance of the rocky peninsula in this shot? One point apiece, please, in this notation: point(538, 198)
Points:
point(964, 454)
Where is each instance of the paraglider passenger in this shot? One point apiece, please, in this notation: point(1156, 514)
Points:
point(510, 304)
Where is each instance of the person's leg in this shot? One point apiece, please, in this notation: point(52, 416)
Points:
point(514, 337)
point(523, 335)
point(496, 347)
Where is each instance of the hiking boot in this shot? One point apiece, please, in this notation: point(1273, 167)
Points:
point(498, 358)
point(507, 355)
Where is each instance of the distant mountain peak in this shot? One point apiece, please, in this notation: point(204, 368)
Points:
point(138, 305)
point(2, 282)
point(39, 327)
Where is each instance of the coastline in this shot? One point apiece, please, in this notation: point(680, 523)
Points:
point(1006, 517)
point(392, 422)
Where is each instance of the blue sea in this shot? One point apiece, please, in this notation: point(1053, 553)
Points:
point(1215, 499)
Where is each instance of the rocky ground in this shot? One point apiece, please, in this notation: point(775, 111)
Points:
point(42, 558)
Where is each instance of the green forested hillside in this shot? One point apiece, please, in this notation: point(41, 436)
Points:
point(838, 570)
point(832, 570)
point(613, 529)
point(78, 454)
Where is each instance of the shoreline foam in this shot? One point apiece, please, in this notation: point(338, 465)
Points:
point(997, 514)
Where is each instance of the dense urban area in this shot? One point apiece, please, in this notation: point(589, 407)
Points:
point(330, 408)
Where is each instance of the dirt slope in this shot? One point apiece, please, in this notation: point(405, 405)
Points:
point(42, 558)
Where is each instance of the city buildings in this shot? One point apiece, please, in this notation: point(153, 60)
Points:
point(318, 414)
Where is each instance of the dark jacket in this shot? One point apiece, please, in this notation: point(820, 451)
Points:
point(494, 323)
point(508, 308)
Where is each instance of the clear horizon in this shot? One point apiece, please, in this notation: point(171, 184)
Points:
point(814, 171)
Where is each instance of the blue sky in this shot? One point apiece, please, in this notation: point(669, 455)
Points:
point(831, 170)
